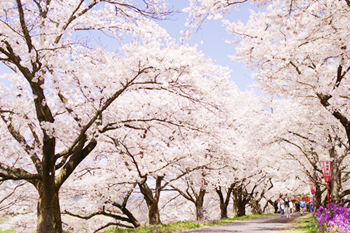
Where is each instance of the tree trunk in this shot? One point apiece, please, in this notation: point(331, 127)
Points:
point(199, 204)
point(239, 208)
point(239, 202)
point(318, 197)
point(224, 201)
point(49, 215)
point(153, 214)
point(152, 201)
point(223, 211)
point(335, 178)
point(256, 207)
point(48, 212)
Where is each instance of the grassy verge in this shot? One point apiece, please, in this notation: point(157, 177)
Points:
point(2, 220)
point(305, 225)
point(184, 225)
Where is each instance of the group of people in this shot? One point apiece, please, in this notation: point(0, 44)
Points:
point(285, 207)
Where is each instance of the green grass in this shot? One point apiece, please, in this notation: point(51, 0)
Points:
point(2, 220)
point(184, 225)
point(8, 231)
point(304, 223)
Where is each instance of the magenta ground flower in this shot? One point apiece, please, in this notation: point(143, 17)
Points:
point(335, 218)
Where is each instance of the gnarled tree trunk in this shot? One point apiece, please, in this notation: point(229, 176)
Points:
point(48, 212)
point(239, 201)
point(256, 207)
point(224, 201)
point(199, 204)
point(152, 201)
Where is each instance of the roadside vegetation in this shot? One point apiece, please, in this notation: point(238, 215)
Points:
point(304, 223)
point(184, 225)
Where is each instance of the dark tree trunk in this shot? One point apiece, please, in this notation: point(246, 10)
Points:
point(318, 196)
point(152, 201)
point(239, 208)
point(49, 214)
point(335, 163)
point(153, 214)
point(239, 201)
point(223, 211)
point(199, 204)
point(256, 208)
point(335, 178)
point(224, 201)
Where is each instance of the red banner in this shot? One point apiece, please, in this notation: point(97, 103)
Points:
point(326, 170)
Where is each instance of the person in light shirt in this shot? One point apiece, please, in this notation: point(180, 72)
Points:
point(302, 204)
point(281, 207)
point(286, 207)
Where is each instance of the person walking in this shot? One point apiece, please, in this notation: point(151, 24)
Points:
point(311, 205)
point(281, 207)
point(275, 205)
point(302, 205)
point(297, 207)
point(287, 207)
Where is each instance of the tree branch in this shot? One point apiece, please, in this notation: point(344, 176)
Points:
point(99, 112)
point(73, 162)
point(11, 173)
point(24, 26)
point(348, 2)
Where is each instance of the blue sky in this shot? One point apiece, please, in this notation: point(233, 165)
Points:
point(210, 39)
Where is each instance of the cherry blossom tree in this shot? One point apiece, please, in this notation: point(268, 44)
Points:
point(301, 52)
point(66, 92)
point(309, 147)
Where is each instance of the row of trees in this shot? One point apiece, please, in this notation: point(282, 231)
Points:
point(81, 122)
point(301, 53)
point(86, 130)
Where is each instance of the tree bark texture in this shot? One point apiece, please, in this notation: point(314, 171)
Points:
point(335, 177)
point(256, 207)
point(49, 215)
point(239, 201)
point(199, 204)
point(224, 201)
point(48, 212)
point(152, 200)
point(318, 196)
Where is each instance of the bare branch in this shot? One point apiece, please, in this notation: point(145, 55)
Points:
point(104, 213)
point(10, 194)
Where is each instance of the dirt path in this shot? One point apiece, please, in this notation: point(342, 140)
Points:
point(260, 225)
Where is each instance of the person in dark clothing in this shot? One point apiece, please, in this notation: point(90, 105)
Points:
point(297, 207)
point(275, 204)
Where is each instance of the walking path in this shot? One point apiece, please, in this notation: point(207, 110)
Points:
point(268, 224)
